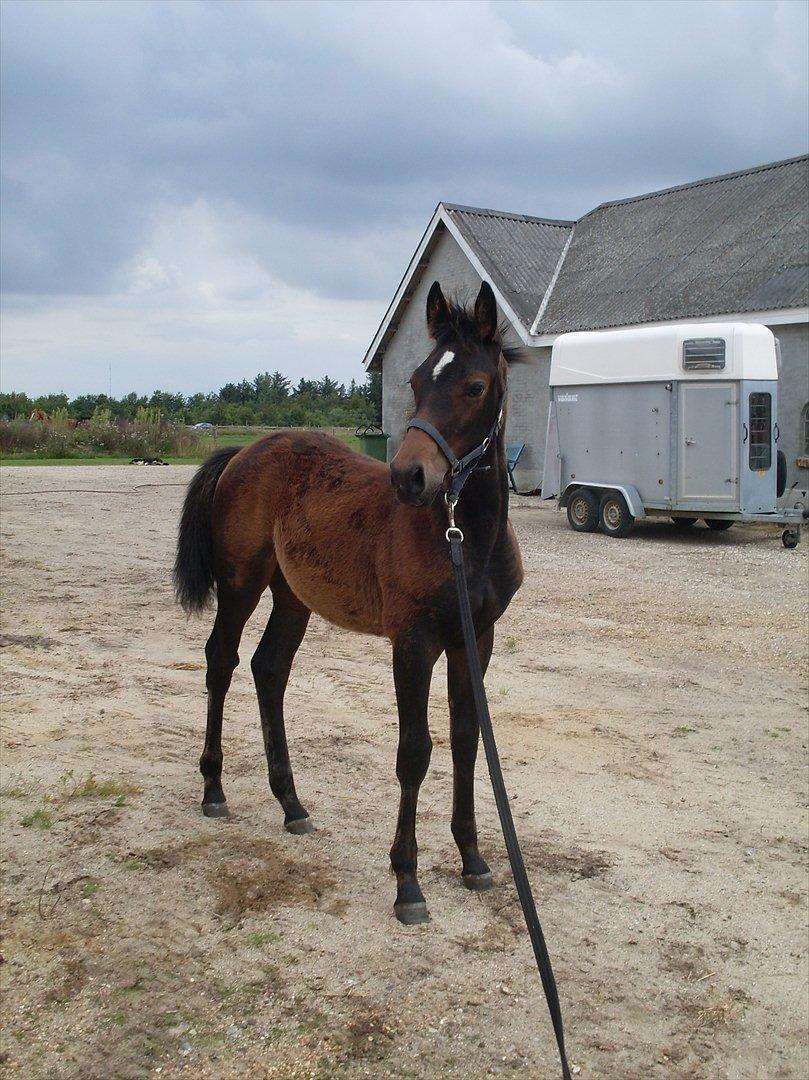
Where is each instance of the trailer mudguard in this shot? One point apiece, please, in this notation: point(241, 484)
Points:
point(630, 493)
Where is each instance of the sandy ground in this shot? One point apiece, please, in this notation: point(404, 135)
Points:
point(650, 700)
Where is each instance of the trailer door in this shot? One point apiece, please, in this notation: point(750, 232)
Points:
point(708, 452)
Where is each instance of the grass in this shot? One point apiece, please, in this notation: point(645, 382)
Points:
point(93, 788)
point(262, 937)
point(39, 819)
point(90, 787)
point(226, 436)
point(16, 792)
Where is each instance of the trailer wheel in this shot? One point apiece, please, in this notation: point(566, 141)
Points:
point(582, 510)
point(614, 518)
point(718, 524)
point(790, 537)
point(681, 524)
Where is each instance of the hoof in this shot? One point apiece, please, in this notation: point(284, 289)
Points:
point(478, 882)
point(299, 826)
point(215, 809)
point(412, 914)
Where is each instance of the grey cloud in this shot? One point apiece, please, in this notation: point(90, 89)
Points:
point(323, 134)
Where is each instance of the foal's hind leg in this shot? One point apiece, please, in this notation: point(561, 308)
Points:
point(222, 654)
point(271, 666)
point(464, 732)
point(414, 656)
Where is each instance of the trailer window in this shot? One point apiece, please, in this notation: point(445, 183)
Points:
point(704, 354)
point(760, 431)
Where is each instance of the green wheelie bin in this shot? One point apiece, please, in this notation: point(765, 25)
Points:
point(373, 441)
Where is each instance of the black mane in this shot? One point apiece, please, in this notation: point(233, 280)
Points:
point(462, 327)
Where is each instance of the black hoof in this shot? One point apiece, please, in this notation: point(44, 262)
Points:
point(478, 882)
point(411, 914)
point(215, 809)
point(299, 826)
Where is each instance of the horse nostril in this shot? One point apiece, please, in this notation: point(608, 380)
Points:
point(408, 481)
point(417, 479)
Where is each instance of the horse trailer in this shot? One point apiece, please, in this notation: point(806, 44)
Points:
point(676, 421)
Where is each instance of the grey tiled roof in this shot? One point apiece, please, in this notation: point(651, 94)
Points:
point(519, 253)
point(725, 245)
point(728, 244)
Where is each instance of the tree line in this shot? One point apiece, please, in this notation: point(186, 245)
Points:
point(269, 400)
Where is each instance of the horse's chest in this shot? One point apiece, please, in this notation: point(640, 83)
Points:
point(492, 592)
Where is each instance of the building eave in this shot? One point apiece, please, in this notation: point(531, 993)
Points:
point(776, 317)
point(517, 324)
point(373, 356)
point(440, 221)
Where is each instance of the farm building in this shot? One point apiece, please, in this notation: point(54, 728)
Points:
point(726, 248)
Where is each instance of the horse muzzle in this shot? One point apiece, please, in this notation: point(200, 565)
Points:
point(418, 470)
point(409, 484)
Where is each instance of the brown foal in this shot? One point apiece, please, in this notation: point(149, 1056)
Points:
point(363, 545)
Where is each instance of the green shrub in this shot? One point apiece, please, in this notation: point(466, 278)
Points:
point(149, 435)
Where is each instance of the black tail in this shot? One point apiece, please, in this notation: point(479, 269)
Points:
point(193, 567)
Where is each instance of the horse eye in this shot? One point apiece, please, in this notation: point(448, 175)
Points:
point(476, 389)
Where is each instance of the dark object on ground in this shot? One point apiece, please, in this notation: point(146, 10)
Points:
point(147, 461)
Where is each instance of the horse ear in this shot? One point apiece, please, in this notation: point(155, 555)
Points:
point(437, 310)
point(486, 313)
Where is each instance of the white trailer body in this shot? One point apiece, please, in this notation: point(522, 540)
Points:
point(677, 420)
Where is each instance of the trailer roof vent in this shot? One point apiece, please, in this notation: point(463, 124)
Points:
point(704, 354)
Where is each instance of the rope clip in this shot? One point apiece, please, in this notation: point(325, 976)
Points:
point(453, 532)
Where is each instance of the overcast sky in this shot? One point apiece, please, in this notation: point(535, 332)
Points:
point(197, 191)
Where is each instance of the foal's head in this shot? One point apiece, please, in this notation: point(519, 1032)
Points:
point(458, 389)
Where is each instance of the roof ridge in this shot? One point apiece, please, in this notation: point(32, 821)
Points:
point(698, 183)
point(481, 211)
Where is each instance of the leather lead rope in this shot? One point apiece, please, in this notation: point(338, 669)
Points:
point(455, 538)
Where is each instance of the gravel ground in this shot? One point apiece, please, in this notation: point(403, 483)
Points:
point(650, 701)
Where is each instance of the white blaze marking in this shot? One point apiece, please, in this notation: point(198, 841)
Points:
point(446, 359)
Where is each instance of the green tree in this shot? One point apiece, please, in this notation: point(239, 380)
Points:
point(12, 405)
point(272, 389)
point(373, 392)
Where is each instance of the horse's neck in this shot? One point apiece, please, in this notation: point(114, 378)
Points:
point(482, 511)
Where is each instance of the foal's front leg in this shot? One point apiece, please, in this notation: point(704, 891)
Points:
point(464, 732)
point(414, 656)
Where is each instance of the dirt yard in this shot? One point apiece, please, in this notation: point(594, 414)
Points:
point(650, 700)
